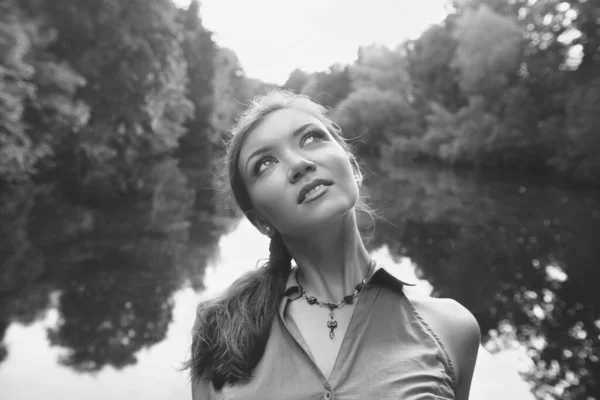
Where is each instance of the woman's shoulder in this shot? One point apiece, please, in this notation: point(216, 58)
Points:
point(447, 311)
point(457, 329)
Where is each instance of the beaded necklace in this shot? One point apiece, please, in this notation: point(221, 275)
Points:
point(348, 299)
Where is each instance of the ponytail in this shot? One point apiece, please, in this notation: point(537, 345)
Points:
point(231, 332)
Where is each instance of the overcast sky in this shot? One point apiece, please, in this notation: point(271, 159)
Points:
point(273, 37)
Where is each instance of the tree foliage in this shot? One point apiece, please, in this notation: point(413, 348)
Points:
point(328, 87)
point(428, 65)
point(136, 78)
point(37, 94)
point(296, 80)
point(87, 90)
point(488, 50)
point(373, 117)
point(381, 68)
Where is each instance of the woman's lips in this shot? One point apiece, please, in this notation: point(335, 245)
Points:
point(311, 185)
point(315, 193)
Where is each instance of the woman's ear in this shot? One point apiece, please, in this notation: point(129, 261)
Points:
point(263, 227)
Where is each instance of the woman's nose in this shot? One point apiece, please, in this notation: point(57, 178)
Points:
point(299, 168)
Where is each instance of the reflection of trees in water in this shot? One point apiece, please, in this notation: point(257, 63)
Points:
point(111, 308)
point(23, 296)
point(22, 262)
point(114, 259)
point(522, 258)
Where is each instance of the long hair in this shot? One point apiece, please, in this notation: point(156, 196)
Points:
point(231, 331)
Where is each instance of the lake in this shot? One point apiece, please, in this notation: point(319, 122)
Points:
point(98, 292)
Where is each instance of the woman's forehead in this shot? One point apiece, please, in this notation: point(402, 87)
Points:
point(275, 127)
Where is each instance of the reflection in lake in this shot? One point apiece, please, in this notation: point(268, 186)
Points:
point(114, 269)
point(100, 293)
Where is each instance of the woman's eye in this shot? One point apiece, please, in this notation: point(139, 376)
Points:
point(312, 136)
point(263, 164)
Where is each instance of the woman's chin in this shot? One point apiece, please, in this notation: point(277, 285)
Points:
point(326, 219)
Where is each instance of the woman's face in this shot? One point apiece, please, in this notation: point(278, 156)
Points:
point(289, 153)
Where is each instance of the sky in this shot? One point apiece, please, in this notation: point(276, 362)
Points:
point(273, 37)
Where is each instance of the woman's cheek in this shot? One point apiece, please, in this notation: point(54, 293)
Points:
point(269, 195)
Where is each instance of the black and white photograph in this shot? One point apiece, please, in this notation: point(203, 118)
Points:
point(299, 199)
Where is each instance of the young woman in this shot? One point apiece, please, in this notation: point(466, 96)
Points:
point(335, 325)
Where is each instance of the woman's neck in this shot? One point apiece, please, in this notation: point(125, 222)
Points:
point(332, 262)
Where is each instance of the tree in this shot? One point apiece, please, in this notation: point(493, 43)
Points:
point(372, 117)
point(228, 81)
point(197, 146)
point(136, 75)
point(381, 68)
point(296, 80)
point(579, 154)
point(38, 107)
point(199, 50)
point(488, 51)
point(232, 89)
point(428, 60)
point(328, 87)
point(15, 157)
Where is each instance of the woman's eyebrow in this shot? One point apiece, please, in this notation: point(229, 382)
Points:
point(265, 149)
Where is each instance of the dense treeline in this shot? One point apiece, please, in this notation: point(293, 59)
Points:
point(87, 90)
point(500, 84)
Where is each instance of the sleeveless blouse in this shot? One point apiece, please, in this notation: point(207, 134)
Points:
point(388, 352)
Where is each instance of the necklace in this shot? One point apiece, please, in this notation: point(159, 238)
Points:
point(348, 299)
